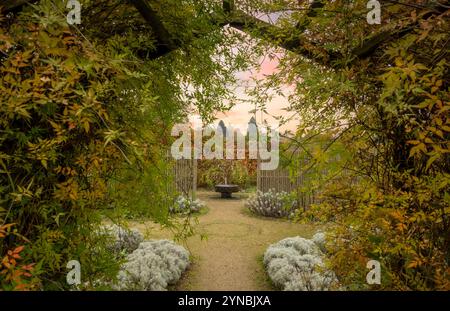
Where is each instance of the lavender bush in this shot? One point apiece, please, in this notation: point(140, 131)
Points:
point(122, 239)
point(296, 264)
point(185, 205)
point(271, 203)
point(153, 266)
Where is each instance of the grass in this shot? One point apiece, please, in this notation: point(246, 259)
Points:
point(264, 278)
point(203, 211)
point(248, 212)
point(250, 190)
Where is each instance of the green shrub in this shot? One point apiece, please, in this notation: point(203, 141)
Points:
point(213, 172)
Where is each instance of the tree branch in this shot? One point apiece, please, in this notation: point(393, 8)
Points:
point(12, 5)
point(267, 31)
point(165, 42)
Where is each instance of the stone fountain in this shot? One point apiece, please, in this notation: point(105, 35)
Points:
point(226, 190)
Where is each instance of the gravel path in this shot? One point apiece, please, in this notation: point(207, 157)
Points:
point(231, 256)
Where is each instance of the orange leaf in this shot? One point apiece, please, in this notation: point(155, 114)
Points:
point(21, 286)
point(401, 227)
point(4, 227)
point(28, 267)
point(18, 249)
point(412, 264)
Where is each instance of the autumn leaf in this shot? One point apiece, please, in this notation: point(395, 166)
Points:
point(18, 249)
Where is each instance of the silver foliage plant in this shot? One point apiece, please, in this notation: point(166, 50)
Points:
point(153, 266)
point(320, 240)
point(123, 240)
point(185, 205)
point(271, 203)
point(295, 264)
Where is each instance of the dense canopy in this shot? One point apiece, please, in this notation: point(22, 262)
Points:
point(86, 113)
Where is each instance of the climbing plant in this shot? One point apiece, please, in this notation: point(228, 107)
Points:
point(84, 108)
point(381, 93)
point(80, 103)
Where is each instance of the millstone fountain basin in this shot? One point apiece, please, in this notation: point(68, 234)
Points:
point(226, 190)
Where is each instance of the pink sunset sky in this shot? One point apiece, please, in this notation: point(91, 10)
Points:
point(239, 115)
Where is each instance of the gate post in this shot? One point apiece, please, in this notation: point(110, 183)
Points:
point(258, 173)
point(194, 178)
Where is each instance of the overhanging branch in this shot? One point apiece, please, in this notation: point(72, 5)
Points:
point(266, 31)
point(367, 48)
point(165, 42)
point(12, 5)
point(263, 30)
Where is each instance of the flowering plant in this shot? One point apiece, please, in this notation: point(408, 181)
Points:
point(185, 205)
point(122, 239)
point(271, 203)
